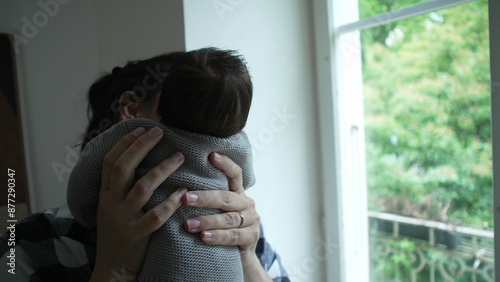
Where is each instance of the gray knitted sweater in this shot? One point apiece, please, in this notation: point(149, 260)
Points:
point(173, 253)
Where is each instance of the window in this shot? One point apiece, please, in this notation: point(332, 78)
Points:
point(414, 77)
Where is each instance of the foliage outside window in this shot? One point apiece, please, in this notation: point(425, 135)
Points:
point(426, 89)
point(427, 115)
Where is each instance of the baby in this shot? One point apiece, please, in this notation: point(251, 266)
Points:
point(203, 107)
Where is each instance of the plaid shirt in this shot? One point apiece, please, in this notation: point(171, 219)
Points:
point(52, 246)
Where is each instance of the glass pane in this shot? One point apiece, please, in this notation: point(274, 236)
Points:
point(428, 146)
point(368, 8)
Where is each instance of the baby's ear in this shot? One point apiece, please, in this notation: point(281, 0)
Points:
point(128, 105)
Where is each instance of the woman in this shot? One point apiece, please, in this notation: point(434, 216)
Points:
point(123, 229)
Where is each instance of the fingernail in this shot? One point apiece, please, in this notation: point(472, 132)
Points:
point(217, 156)
point(138, 131)
point(207, 234)
point(193, 223)
point(182, 191)
point(192, 198)
point(178, 156)
point(155, 131)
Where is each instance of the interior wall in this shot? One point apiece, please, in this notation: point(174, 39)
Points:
point(64, 46)
point(57, 54)
point(276, 39)
point(132, 29)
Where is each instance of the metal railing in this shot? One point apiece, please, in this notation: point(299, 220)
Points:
point(411, 249)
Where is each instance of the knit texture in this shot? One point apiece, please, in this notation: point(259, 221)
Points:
point(173, 253)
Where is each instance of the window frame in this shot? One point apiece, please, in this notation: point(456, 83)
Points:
point(494, 28)
point(330, 23)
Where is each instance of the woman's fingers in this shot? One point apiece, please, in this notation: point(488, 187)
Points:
point(218, 199)
point(142, 190)
point(239, 226)
point(231, 169)
point(243, 237)
point(227, 220)
point(157, 216)
point(122, 170)
point(122, 226)
point(115, 153)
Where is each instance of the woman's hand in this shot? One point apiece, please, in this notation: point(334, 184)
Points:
point(123, 229)
point(225, 229)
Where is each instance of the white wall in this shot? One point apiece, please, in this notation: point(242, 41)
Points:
point(58, 59)
point(63, 46)
point(84, 38)
point(133, 30)
point(276, 39)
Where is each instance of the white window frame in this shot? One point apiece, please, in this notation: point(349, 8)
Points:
point(343, 180)
point(494, 12)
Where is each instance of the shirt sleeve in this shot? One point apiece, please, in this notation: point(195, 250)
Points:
point(270, 260)
point(45, 247)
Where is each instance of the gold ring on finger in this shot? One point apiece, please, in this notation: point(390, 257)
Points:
point(242, 219)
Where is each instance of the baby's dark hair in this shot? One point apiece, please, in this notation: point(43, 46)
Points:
point(207, 91)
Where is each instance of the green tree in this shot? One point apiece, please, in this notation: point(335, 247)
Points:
point(427, 113)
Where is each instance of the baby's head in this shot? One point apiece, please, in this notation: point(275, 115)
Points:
point(207, 91)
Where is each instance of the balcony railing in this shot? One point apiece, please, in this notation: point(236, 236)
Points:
point(410, 249)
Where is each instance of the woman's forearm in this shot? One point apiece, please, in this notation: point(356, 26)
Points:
point(253, 270)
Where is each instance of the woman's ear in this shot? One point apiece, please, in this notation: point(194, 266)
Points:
point(128, 105)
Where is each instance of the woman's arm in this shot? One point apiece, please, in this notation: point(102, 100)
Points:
point(123, 229)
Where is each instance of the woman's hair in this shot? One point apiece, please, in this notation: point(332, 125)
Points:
point(207, 91)
point(144, 78)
